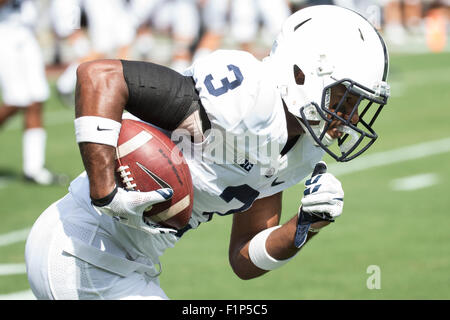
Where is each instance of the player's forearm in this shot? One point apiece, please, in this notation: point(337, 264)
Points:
point(279, 245)
point(101, 91)
point(98, 161)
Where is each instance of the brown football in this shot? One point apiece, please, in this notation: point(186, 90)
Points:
point(147, 160)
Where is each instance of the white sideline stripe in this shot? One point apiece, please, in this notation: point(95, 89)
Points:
point(14, 237)
point(133, 144)
point(379, 159)
point(414, 182)
point(21, 295)
point(12, 268)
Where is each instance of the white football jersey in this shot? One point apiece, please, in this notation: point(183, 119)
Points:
point(247, 117)
point(243, 105)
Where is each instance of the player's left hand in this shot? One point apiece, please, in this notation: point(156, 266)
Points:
point(323, 196)
point(127, 207)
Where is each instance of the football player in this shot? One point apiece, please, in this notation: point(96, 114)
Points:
point(326, 73)
point(24, 85)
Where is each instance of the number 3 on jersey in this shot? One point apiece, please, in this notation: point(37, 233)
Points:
point(226, 84)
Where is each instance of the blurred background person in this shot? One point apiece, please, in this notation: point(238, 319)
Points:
point(143, 16)
point(407, 25)
point(110, 33)
point(436, 25)
point(24, 85)
point(185, 30)
point(65, 18)
point(244, 24)
point(246, 16)
point(175, 20)
point(398, 15)
point(214, 18)
point(409, 22)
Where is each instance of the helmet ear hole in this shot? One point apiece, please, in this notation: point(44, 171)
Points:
point(299, 76)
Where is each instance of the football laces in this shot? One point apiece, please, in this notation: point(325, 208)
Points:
point(127, 179)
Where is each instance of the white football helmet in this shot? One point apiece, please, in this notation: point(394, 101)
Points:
point(319, 48)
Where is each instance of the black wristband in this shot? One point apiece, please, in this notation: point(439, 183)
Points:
point(105, 200)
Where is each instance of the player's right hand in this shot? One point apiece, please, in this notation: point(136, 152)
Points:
point(128, 208)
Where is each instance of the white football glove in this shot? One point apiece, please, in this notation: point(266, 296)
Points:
point(128, 207)
point(323, 195)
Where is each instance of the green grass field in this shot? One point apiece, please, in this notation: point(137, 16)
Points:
point(403, 232)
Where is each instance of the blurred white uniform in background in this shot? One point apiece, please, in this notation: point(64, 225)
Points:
point(22, 70)
point(185, 29)
point(23, 82)
point(142, 11)
point(110, 26)
point(110, 31)
point(65, 16)
point(245, 16)
point(214, 15)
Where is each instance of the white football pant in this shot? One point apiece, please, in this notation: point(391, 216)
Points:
point(60, 244)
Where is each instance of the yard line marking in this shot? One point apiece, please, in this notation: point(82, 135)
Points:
point(414, 182)
point(14, 237)
point(385, 158)
point(20, 295)
point(12, 268)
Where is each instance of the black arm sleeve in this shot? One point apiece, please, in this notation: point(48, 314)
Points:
point(159, 95)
